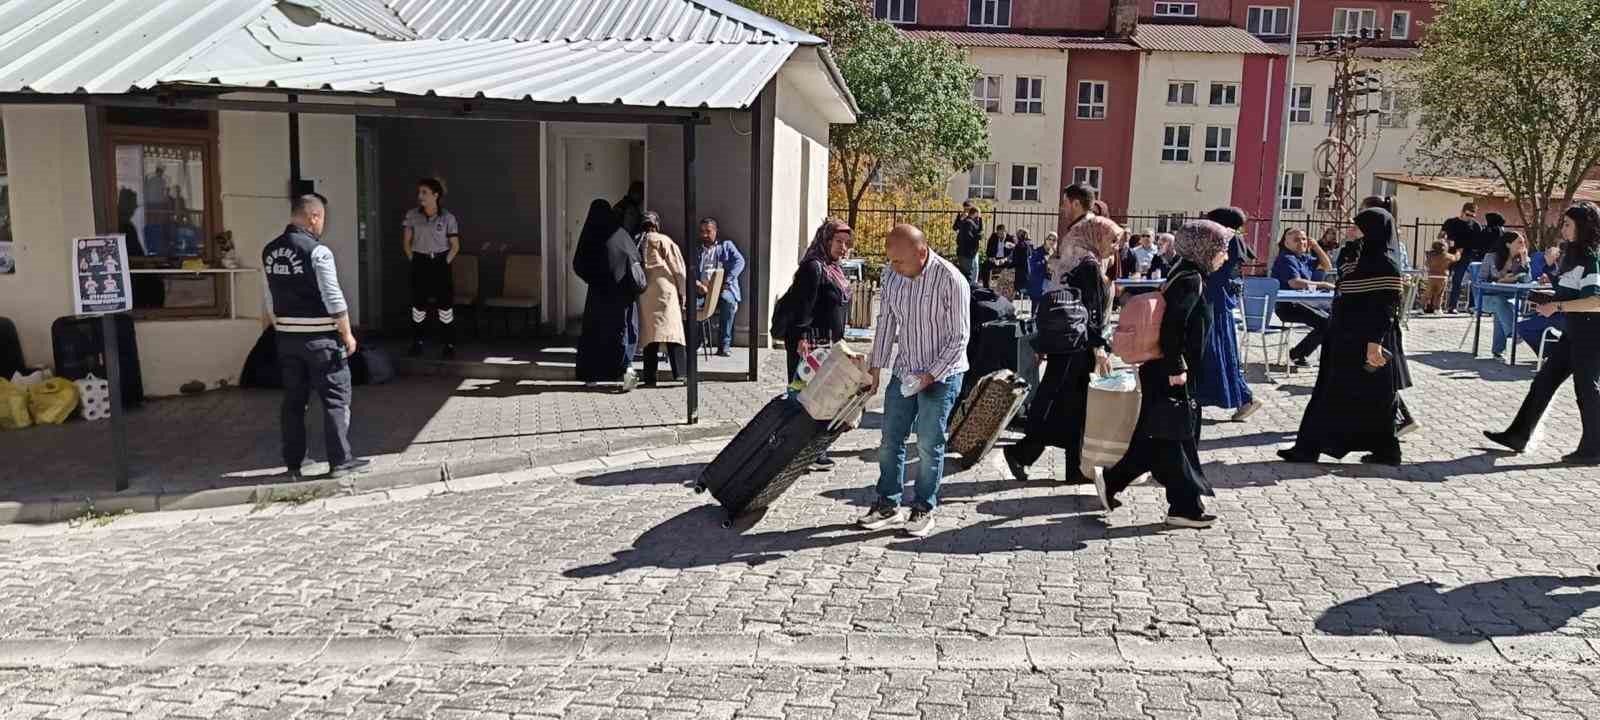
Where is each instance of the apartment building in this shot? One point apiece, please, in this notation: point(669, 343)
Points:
point(1166, 107)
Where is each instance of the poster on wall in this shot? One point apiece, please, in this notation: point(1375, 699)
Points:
point(101, 281)
point(8, 261)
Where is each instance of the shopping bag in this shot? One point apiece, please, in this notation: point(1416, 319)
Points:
point(14, 413)
point(52, 401)
point(835, 384)
point(94, 397)
point(1113, 413)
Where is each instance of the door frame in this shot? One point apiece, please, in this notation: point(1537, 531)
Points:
point(553, 180)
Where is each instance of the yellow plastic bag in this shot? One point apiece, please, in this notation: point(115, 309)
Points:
point(14, 413)
point(53, 401)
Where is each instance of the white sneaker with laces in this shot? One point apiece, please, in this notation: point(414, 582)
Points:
point(882, 516)
point(920, 524)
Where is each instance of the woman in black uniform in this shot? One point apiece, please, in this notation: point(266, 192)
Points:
point(1577, 353)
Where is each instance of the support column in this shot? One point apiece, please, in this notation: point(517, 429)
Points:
point(753, 297)
point(691, 327)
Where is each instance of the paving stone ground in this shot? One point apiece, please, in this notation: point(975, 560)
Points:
point(1461, 544)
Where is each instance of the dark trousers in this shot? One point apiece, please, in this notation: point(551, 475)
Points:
point(1311, 317)
point(1576, 355)
point(1056, 416)
point(652, 359)
point(1175, 464)
point(314, 362)
point(432, 291)
point(1458, 278)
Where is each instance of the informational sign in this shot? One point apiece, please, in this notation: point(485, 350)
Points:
point(101, 283)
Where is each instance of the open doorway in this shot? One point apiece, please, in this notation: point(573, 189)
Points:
point(590, 167)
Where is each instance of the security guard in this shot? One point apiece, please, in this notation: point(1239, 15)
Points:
point(432, 239)
point(314, 339)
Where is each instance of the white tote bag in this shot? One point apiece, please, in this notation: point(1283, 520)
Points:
point(836, 383)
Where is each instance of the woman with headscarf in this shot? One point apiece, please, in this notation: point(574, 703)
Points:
point(1057, 413)
point(1356, 401)
point(661, 306)
point(821, 299)
point(1166, 440)
point(1222, 382)
point(607, 260)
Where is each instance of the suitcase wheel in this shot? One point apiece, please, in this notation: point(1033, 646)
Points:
point(699, 488)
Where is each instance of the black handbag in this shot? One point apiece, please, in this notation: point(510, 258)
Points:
point(1169, 418)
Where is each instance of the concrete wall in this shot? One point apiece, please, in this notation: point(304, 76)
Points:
point(491, 175)
point(1386, 148)
point(1025, 14)
point(1105, 143)
point(1158, 186)
point(47, 148)
point(1026, 139)
point(47, 154)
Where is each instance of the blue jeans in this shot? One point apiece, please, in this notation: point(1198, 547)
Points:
point(927, 412)
point(1505, 319)
point(726, 310)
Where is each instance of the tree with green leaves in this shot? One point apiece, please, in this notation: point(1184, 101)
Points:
point(1512, 87)
point(917, 124)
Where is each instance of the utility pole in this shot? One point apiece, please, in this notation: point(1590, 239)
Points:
point(1339, 157)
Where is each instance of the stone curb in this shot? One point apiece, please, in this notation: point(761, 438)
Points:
point(845, 650)
point(401, 482)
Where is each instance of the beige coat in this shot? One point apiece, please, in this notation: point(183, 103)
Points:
point(661, 305)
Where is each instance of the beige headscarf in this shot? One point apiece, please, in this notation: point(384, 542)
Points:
point(1089, 239)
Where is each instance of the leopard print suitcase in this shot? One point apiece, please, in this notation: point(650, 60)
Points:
point(977, 424)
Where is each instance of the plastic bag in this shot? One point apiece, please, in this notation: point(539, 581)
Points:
point(94, 398)
point(53, 401)
point(14, 413)
point(1117, 381)
point(29, 380)
point(835, 383)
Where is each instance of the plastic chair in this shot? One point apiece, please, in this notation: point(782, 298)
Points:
point(464, 282)
point(1474, 300)
point(1257, 307)
point(1549, 335)
point(520, 291)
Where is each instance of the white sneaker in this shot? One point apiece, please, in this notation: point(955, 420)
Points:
point(920, 524)
point(882, 516)
point(1246, 410)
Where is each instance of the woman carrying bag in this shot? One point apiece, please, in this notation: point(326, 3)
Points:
point(661, 305)
point(1166, 441)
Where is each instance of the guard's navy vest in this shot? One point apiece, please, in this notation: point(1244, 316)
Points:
point(296, 298)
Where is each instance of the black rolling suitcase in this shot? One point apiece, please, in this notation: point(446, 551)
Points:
point(769, 454)
point(79, 347)
point(10, 349)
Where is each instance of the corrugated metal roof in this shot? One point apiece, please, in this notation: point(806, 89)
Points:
point(373, 16)
point(1224, 39)
point(1371, 52)
point(109, 46)
point(1020, 41)
point(678, 74)
point(1479, 187)
point(675, 20)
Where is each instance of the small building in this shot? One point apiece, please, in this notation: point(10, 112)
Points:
point(176, 121)
point(1430, 199)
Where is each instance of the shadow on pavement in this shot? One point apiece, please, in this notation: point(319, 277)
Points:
point(1266, 473)
point(1522, 605)
point(542, 433)
point(1251, 440)
point(1463, 366)
point(677, 474)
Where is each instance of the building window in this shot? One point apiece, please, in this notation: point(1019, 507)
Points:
point(8, 258)
point(1384, 188)
point(1300, 104)
point(1175, 143)
point(1030, 96)
point(1268, 21)
point(1292, 193)
point(989, 13)
point(1400, 25)
point(1219, 144)
point(1180, 93)
point(896, 11)
point(1347, 21)
point(1087, 176)
point(1025, 183)
point(1091, 100)
point(1224, 94)
point(1177, 9)
point(986, 93)
point(1169, 222)
point(1391, 109)
point(980, 182)
point(1332, 111)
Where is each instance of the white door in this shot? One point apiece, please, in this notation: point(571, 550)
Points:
point(596, 168)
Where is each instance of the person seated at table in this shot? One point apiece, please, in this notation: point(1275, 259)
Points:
point(1437, 261)
point(1302, 265)
point(1545, 267)
point(1505, 265)
point(1546, 270)
point(1166, 257)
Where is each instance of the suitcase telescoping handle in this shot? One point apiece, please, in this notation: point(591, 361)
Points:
point(856, 403)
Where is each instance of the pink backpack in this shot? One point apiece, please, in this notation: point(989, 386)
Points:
point(1137, 338)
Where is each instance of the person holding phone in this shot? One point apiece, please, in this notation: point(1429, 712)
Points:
point(1357, 395)
point(1577, 354)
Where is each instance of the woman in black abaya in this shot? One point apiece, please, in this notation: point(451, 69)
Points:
point(606, 259)
point(1363, 364)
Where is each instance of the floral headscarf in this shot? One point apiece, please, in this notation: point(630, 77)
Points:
point(1199, 241)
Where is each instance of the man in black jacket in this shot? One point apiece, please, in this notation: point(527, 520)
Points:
point(969, 234)
point(1464, 235)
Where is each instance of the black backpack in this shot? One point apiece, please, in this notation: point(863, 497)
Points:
point(1063, 323)
point(988, 306)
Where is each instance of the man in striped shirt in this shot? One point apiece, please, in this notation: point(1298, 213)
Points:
point(925, 312)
